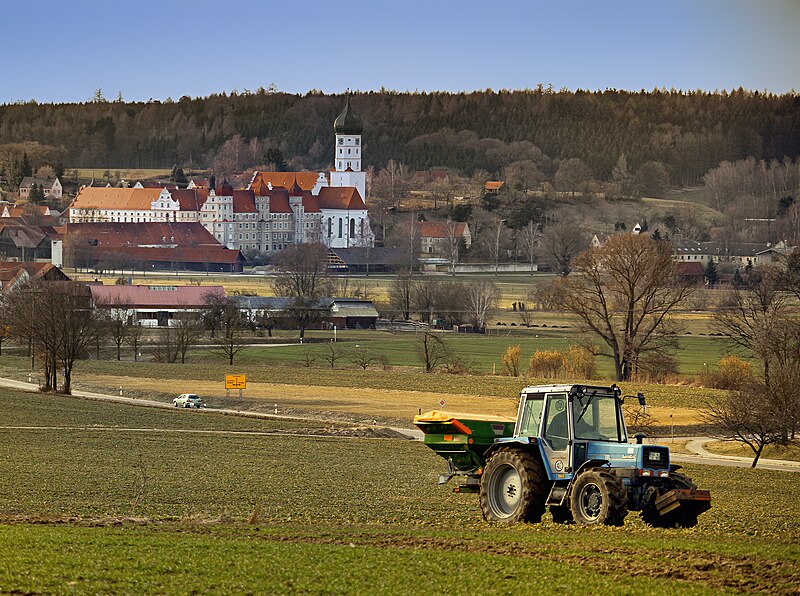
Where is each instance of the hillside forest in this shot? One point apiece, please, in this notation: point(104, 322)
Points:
point(740, 148)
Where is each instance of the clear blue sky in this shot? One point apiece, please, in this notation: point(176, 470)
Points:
point(57, 50)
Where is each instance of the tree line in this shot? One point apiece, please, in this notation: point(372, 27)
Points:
point(687, 133)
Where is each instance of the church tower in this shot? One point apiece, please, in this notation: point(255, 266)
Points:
point(347, 152)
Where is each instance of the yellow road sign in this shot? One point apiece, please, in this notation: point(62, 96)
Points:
point(235, 382)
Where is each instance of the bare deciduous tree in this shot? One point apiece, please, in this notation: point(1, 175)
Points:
point(747, 416)
point(230, 324)
point(625, 293)
point(481, 296)
point(401, 293)
point(116, 318)
point(62, 325)
point(303, 277)
point(432, 350)
point(363, 358)
point(188, 331)
point(761, 319)
point(529, 238)
point(560, 244)
point(332, 354)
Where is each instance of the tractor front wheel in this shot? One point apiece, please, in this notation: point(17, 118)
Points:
point(513, 487)
point(598, 497)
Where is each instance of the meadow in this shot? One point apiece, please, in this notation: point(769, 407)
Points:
point(234, 506)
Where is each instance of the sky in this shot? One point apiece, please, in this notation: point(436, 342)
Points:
point(59, 51)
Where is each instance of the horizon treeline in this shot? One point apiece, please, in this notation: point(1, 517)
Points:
point(688, 132)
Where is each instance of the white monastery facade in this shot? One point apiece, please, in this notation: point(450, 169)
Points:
point(276, 209)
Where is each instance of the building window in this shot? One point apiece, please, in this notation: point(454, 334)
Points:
point(357, 141)
point(340, 227)
point(341, 141)
point(352, 227)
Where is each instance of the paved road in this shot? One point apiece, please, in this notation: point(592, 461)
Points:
point(695, 444)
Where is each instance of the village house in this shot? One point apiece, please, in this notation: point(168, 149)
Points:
point(51, 188)
point(435, 236)
point(20, 241)
point(493, 187)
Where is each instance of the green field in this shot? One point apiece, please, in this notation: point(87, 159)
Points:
point(94, 508)
point(176, 376)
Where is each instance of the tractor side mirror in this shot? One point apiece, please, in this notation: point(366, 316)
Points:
point(640, 396)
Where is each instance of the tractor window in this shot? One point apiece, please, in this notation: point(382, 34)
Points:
point(596, 418)
point(531, 417)
point(557, 428)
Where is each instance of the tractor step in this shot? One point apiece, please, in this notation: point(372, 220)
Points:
point(694, 500)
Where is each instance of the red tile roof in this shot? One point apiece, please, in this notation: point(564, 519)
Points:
point(244, 201)
point(310, 203)
point(279, 201)
point(690, 269)
point(160, 233)
point(439, 229)
point(306, 180)
point(494, 185)
point(9, 270)
point(345, 197)
point(91, 197)
point(190, 199)
point(155, 296)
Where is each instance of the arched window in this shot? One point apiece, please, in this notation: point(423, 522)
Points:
point(352, 227)
point(330, 227)
point(340, 227)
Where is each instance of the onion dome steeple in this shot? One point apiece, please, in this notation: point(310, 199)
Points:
point(348, 122)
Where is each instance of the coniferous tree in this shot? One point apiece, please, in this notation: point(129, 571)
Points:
point(711, 274)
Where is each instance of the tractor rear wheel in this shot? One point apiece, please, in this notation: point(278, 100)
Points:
point(599, 497)
point(513, 487)
point(680, 518)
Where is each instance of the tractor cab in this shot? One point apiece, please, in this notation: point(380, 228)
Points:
point(570, 421)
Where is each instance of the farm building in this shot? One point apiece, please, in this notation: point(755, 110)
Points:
point(14, 274)
point(367, 260)
point(344, 313)
point(153, 306)
point(152, 246)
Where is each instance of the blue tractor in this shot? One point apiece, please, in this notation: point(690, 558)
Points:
point(567, 451)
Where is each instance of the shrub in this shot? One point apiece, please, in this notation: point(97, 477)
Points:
point(733, 373)
point(656, 367)
point(580, 362)
point(547, 364)
point(511, 361)
point(456, 365)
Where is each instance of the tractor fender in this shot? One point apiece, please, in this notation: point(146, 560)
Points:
point(523, 443)
point(590, 463)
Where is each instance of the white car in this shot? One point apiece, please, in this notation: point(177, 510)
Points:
point(188, 400)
